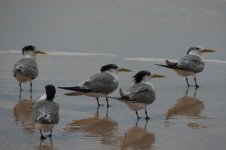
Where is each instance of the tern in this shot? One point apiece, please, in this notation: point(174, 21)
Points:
point(26, 69)
point(46, 111)
point(141, 94)
point(98, 85)
point(189, 65)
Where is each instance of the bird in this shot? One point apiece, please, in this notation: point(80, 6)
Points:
point(189, 65)
point(141, 94)
point(26, 69)
point(46, 111)
point(100, 84)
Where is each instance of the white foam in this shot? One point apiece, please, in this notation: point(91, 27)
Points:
point(215, 61)
point(148, 59)
point(62, 53)
point(79, 54)
point(111, 55)
point(163, 60)
point(10, 52)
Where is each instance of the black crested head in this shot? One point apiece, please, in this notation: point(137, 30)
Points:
point(139, 76)
point(50, 92)
point(193, 48)
point(108, 67)
point(28, 48)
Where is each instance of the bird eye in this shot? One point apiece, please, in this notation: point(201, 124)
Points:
point(197, 48)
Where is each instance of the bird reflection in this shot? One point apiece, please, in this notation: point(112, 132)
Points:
point(23, 113)
point(96, 126)
point(189, 106)
point(44, 145)
point(138, 138)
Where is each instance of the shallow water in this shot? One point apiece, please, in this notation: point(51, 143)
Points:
point(178, 121)
point(82, 35)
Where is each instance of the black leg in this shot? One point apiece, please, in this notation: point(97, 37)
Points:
point(30, 85)
point(42, 137)
point(20, 87)
point(187, 82)
point(98, 102)
point(147, 118)
point(107, 102)
point(196, 85)
point(138, 117)
point(20, 95)
point(50, 134)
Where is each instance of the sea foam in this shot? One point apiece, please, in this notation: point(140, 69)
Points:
point(163, 60)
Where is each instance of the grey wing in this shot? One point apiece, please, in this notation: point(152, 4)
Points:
point(102, 82)
point(54, 112)
point(191, 63)
point(45, 109)
point(141, 93)
point(27, 67)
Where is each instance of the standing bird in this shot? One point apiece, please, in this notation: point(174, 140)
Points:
point(46, 111)
point(98, 85)
point(189, 65)
point(141, 93)
point(26, 68)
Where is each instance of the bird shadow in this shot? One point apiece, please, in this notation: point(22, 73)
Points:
point(138, 138)
point(189, 106)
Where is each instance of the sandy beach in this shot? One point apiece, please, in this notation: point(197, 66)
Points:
point(80, 36)
point(195, 120)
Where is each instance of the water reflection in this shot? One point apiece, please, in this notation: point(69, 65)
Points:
point(96, 126)
point(23, 113)
point(138, 138)
point(189, 106)
point(45, 145)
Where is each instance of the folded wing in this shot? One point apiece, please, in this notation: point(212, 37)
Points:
point(27, 67)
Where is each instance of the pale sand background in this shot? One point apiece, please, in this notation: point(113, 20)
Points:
point(194, 123)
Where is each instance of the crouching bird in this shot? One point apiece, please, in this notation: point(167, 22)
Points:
point(189, 65)
point(46, 111)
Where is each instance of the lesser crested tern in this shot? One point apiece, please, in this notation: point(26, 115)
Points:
point(26, 69)
point(98, 85)
point(141, 94)
point(189, 65)
point(46, 111)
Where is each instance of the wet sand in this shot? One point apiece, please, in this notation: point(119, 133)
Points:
point(181, 118)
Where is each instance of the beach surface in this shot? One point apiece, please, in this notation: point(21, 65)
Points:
point(79, 37)
point(195, 120)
